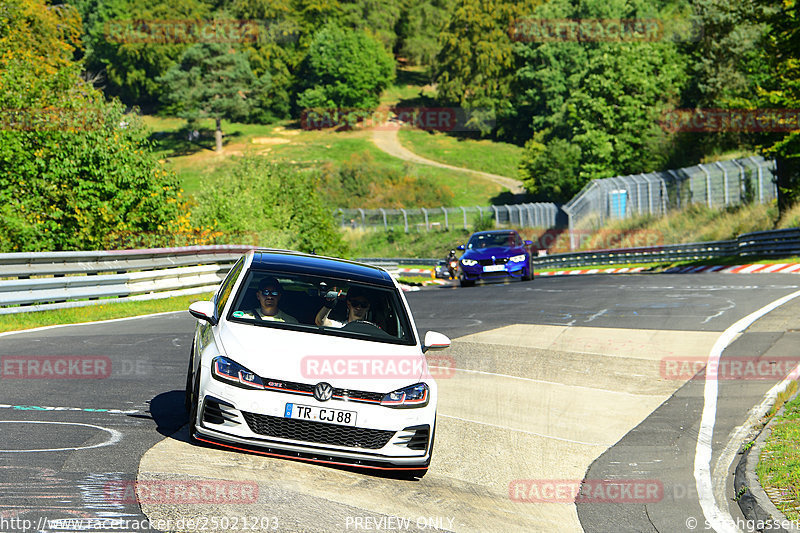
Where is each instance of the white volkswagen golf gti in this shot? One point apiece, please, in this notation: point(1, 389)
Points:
point(313, 358)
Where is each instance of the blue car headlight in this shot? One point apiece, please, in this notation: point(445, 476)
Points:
point(413, 396)
point(231, 372)
point(517, 258)
point(468, 262)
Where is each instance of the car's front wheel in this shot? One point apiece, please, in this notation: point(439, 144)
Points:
point(192, 398)
point(527, 274)
point(466, 282)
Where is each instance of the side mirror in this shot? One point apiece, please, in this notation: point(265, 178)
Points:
point(460, 247)
point(435, 341)
point(203, 311)
point(528, 243)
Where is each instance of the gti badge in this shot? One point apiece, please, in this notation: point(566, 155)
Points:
point(323, 391)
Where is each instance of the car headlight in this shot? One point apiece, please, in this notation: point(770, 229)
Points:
point(233, 373)
point(517, 258)
point(468, 262)
point(413, 396)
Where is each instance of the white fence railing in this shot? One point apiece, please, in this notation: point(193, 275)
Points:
point(36, 281)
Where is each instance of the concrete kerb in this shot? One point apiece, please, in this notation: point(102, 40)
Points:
point(754, 502)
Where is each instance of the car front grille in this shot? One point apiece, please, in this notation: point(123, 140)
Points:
point(293, 387)
point(487, 262)
point(304, 430)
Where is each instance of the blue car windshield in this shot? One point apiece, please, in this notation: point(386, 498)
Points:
point(487, 240)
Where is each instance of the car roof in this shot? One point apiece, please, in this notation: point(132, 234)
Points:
point(317, 265)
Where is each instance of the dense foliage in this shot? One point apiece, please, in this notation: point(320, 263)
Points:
point(344, 69)
point(270, 205)
point(212, 81)
point(74, 169)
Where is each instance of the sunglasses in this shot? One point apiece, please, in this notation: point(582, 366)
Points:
point(267, 292)
point(359, 303)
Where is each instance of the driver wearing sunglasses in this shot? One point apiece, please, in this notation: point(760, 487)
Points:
point(269, 295)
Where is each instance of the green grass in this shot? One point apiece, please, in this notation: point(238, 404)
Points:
point(196, 163)
point(778, 466)
point(483, 155)
point(92, 313)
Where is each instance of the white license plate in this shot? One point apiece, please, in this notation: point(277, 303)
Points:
point(494, 268)
point(320, 414)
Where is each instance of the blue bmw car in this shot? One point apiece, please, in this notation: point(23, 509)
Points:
point(493, 255)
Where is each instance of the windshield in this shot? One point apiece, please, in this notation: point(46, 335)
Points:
point(326, 306)
point(487, 240)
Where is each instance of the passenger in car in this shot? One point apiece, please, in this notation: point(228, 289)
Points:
point(269, 296)
point(358, 305)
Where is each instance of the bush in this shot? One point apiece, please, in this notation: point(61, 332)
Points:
point(360, 182)
point(272, 205)
point(344, 69)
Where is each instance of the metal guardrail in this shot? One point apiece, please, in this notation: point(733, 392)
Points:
point(774, 243)
point(37, 281)
point(53, 280)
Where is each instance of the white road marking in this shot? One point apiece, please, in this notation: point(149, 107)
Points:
point(597, 315)
point(114, 436)
point(5, 333)
point(524, 431)
point(718, 519)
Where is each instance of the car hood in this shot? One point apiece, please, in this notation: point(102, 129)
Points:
point(497, 251)
point(302, 357)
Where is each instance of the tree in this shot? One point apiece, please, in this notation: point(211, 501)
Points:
point(73, 168)
point(418, 30)
point(212, 81)
point(344, 69)
point(131, 43)
point(782, 91)
point(593, 107)
point(476, 63)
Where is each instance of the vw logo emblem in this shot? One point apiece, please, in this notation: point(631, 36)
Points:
point(323, 391)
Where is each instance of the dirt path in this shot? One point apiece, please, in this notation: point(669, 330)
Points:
point(388, 141)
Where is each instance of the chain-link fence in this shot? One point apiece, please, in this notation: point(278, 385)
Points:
point(717, 184)
point(535, 215)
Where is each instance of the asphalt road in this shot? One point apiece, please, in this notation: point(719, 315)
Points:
point(69, 445)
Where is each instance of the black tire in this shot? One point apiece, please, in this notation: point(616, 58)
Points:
point(187, 399)
point(193, 410)
point(528, 274)
point(191, 399)
point(466, 282)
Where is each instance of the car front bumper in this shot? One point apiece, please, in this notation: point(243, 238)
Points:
point(476, 272)
point(255, 419)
